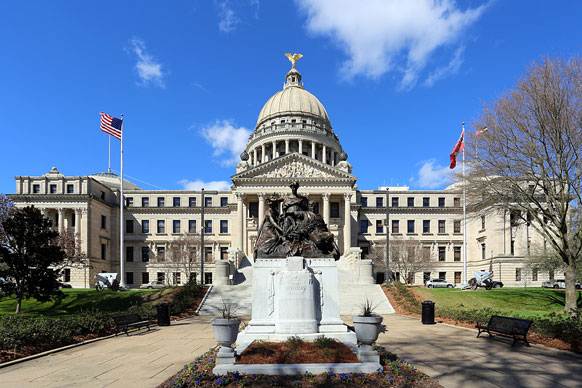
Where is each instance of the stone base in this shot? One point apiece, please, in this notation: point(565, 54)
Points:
point(296, 369)
point(366, 353)
point(225, 356)
point(244, 339)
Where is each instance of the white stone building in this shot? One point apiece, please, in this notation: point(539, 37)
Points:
point(293, 141)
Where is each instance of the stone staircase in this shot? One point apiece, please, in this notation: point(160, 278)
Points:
point(240, 294)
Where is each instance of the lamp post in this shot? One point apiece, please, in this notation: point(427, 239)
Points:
point(202, 253)
point(387, 277)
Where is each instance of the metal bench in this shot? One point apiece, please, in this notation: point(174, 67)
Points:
point(124, 322)
point(512, 327)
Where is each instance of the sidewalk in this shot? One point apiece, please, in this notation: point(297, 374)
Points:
point(447, 353)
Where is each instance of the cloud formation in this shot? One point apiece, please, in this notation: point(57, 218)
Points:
point(199, 184)
point(226, 140)
point(445, 71)
point(380, 36)
point(433, 176)
point(227, 19)
point(149, 71)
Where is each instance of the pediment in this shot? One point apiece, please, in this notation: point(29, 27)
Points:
point(293, 166)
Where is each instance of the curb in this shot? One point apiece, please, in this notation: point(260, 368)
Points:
point(204, 299)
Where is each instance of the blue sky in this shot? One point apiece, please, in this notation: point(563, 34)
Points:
point(396, 77)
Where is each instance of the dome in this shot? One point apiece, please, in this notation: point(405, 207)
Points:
point(293, 100)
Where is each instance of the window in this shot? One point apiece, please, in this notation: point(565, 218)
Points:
point(442, 253)
point(394, 201)
point(193, 276)
point(192, 226)
point(129, 277)
point(192, 201)
point(410, 201)
point(365, 251)
point(35, 189)
point(208, 278)
point(145, 201)
point(208, 226)
point(426, 226)
point(442, 275)
point(223, 226)
point(334, 209)
point(379, 201)
point(456, 226)
point(482, 222)
point(103, 251)
point(161, 277)
point(53, 189)
point(161, 201)
point(145, 277)
point(103, 222)
point(395, 226)
point(176, 202)
point(534, 275)
point(70, 189)
point(129, 254)
point(177, 279)
point(128, 226)
point(457, 253)
point(426, 252)
point(103, 195)
point(364, 202)
point(67, 275)
point(514, 218)
point(161, 226)
point(410, 226)
point(457, 277)
point(441, 201)
point(457, 202)
point(145, 254)
point(518, 274)
point(551, 275)
point(512, 248)
point(208, 254)
point(161, 253)
point(176, 226)
point(425, 202)
point(364, 226)
point(254, 210)
point(224, 253)
point(379, 226)
point(223, 201)
point(442, 226)
point(483, 251)
point(207, 201)
point(128, 201)
point(145, 226)
point(73, 220)
point(425, 277)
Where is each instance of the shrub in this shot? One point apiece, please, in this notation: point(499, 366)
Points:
point(186, 296)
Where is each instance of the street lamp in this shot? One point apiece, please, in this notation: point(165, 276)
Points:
point(387, 277)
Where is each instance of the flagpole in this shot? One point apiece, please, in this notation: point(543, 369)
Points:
point(464, 216)
point(109, 158)
point(121, 206)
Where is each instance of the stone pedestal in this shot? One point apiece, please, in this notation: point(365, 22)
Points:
point(366, 353)
point(221, 269)
point(225, 355)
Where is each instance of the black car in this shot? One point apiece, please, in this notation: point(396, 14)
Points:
point(497, 284)
point(65, 285)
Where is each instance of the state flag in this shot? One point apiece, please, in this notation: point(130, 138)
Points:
point(458, 147)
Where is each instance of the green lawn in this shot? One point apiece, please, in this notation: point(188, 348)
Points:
point(76, 300)
point(530, 302)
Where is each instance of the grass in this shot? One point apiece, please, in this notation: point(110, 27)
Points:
point(76, 300)
point(529, 302)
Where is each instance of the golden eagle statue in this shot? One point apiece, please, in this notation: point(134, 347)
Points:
point(294, 58)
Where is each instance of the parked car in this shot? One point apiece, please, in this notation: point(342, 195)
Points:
point(65, 285)
point(558, 283)
point(439, 283)
point(497, 284)
point(154, 284)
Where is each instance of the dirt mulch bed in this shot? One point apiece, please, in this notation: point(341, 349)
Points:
point(532, 336)
point(302, 353)
point(394, 373)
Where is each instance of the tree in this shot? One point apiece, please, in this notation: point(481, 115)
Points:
point(181, 255)
point(6, 210)
point(70, 243)
point(30, 257)
point(408, 257)
point(530, 161)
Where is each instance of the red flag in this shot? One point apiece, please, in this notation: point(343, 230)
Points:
point(479, 133)
point(458, 147)
point(111, 125)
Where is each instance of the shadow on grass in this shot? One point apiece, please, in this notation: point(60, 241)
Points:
point(559, 297)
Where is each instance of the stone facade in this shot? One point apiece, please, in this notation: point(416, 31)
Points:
point(293, 141)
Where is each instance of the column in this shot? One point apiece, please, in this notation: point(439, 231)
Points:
point(261, 209)
point(274, 149)
point(286, 146)
point(263, 154)
point(255, 157)
point(313, 150)
point(332, 161)
point(301, 146)
point(347, 222)
point(240, 219)
point(324, 154)
point(61, 220)
point(77, 223)
point(326, 208)
point(244, 232)
point(85, 243)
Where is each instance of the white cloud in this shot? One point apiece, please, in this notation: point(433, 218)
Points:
point(380, 36)
point(443, 72)
point(227, 19)
point(198, 184)
point(432, 176)
point(228, 142)
point(148, 70)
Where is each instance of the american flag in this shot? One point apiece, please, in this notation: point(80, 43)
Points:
point(111, 125)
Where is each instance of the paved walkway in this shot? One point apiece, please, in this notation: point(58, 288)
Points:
point(450, 354)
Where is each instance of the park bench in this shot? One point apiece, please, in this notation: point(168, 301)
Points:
point(512, 327)
point(124, 322)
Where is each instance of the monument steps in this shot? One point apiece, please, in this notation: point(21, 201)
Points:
point(241, 294)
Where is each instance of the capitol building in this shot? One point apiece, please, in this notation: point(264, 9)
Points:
point(293, 140)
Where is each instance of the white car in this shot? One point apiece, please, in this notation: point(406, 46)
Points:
point(558, 283)
point(439, 283)
point(154, 284)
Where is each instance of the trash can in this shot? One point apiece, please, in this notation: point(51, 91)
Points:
point(163, 314)
point(428, 312)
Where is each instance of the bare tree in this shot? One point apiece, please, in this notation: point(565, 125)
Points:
point(530, 161)
point(70, 243)
point(6, 209)
point(181, 255)
point(408, 257)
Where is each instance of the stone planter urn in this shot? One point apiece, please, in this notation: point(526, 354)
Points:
point(225, 331)
point(367, 331)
